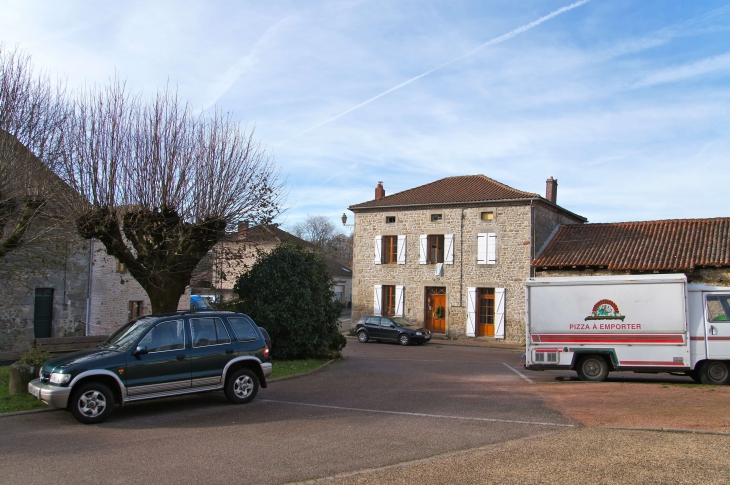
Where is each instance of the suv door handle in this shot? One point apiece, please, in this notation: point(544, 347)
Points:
point(181, 357)
point(229, 351)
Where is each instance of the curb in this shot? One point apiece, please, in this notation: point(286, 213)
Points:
point(301, 374)
point(666, 430)
point(515, 347)
point(32, 411)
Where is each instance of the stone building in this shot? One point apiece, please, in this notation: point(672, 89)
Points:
point(699, 248)
point(453, 254)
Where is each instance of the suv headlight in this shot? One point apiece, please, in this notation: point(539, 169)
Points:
point(419, 333)
point(58, 378)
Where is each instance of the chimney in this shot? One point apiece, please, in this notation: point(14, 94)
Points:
point(242, 228)
point(379, 191)
point(551, 190)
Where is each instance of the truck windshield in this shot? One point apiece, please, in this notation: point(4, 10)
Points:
point(128, 334)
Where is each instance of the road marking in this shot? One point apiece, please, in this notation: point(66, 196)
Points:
point(428, 360)
point(518, 373)
point(421, 415)
point(424, 460)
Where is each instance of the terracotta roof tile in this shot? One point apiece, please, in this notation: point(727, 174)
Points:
point(465, 188)
point(678, 244)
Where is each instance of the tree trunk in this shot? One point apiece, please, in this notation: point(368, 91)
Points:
point(165, 298)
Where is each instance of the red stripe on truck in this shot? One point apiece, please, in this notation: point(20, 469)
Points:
point(609, 338)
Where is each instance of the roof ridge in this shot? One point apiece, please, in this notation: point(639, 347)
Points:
point(656, 221)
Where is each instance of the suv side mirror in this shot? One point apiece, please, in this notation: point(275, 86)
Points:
point(140, 350)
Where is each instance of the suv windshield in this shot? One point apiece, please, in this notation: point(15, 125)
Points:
point(401, 322)
point(125, 337)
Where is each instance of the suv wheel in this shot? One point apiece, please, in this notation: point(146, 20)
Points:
point(362, 336)
point(91, 403)
point(242, 386)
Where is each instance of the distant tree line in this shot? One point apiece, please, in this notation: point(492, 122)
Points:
point(329, 240)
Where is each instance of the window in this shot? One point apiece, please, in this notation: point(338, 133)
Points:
point(388, 308)
point(487, 248)
point(487, 216)
point(165, 336)
point(121, 267)
point(437, 217)
point(485, 316)
point(208, 331)
point(373, 321)
point(243, 328)
point(390, 219)
point(435, 249)
point(718, 308)
point(134, 309)
point(390, 249)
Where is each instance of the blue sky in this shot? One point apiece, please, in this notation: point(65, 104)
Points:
point(626, 103)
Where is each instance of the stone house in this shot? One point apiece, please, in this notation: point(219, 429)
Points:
point(453, 254)
point(217, 274)
point(699, 248)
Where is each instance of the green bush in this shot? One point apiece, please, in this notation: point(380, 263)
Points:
point(34, 357)
point(289, 293)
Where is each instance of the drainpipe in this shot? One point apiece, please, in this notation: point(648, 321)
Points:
point(89, 286)
point(532, 237)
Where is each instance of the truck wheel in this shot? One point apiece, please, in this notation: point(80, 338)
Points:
point(592, 368)
point(91, 403)
point(714, 372)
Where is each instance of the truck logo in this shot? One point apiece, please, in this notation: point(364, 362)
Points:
point(605, 310)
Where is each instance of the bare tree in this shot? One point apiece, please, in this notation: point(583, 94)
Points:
point(163, 183)
point(32, 117)
point(326, 237)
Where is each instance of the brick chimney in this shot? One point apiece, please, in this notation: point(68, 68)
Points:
point(551, 190)
point(379, 191)
point(242, 228)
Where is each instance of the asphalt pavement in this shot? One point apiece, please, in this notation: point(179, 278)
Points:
point(383, 414)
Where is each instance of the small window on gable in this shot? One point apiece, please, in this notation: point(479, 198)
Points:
point(437, 217)
point(488, 216)
point(390, 219)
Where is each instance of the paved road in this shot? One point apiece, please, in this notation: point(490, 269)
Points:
point(384, 404)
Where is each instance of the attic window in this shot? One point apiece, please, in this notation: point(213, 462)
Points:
point(488, 216)
point(437, 217)
point(390, 219)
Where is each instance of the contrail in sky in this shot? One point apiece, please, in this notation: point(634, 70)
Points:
point(496, 40)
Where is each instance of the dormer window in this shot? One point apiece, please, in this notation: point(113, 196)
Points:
point(390, 219)
point(437, 217)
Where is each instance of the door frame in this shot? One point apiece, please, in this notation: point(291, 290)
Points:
point(427, 321)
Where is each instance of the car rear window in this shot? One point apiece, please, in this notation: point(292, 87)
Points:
point(244, 328)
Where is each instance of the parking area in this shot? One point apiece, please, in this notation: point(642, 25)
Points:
point(382, 405)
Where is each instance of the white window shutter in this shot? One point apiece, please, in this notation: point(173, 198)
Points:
point(482, 248)
point(471, 312)
point(399, 301)
point(499, 313)
point(491, 248)
point(378, 258)
point(448, 249)
point(402, 249)
point(377, 300)
point(423, 249)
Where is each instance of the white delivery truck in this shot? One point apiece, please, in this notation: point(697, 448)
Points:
point(639, 323)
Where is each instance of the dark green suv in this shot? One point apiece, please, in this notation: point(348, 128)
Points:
point(159, 356)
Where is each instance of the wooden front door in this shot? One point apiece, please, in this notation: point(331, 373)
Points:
point(485, 312)
point(436, 310)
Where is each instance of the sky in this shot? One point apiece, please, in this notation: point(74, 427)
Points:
point(626, 103)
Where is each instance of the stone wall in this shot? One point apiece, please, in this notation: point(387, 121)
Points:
point(546, 219)
point(707, 276)
point(57, 260)
point(512, 225)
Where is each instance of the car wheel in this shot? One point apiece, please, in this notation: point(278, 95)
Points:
point(593, 368)
point(404, 339)
point(242, 386)
point(91, 403)
point(362, 336)
point(714, 372)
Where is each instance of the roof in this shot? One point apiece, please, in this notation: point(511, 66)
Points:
point(677, 244)
point(450, 190)
point(268, 234)
point(338, 270)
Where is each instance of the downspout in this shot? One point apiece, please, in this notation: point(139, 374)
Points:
point(89, 285)
point(461, 261)
point(532, 238)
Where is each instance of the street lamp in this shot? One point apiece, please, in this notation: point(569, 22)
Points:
point(344, 221)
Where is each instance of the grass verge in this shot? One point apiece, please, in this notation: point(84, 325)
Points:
point(16, 402)
point(284, 368)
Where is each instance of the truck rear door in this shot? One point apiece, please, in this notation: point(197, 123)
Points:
point(717, 324)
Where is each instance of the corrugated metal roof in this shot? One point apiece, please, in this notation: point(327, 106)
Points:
point(465, 188)
point(676, 244)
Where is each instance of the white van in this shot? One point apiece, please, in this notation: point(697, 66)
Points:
point(639, 323)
